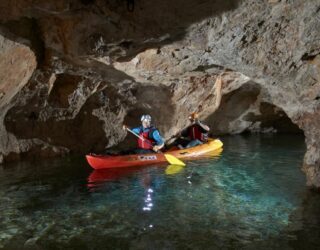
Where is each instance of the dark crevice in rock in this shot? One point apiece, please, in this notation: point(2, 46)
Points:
point(64, 85)
point(202, 68)
point(261, 23)
point(87, 2)
point(130, 5)
point(273, 119)
point(27, 28)
point(33, 116)
point(133, 50)
point(232, 106)
point(308, 57)
point(126, 44)
point(236, 109)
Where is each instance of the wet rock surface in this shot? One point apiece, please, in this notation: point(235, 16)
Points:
point(80, 69)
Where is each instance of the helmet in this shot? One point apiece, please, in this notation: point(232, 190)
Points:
point(193, 116)
point(146, 118)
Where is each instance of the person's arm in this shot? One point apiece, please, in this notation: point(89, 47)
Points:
point(205, 127)
point(134, 130)
point(159, 140)
point(180, 134)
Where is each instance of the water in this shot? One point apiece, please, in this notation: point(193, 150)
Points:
point(252, 196)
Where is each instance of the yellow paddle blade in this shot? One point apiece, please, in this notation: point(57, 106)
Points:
point(173, 169)
point(174, 160)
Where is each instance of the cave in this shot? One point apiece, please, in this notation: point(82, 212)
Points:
point(78, 77)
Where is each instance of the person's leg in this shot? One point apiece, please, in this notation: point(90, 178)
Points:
point(127, 152)
point(194, 143)
point(143, 151)
point(181, 143)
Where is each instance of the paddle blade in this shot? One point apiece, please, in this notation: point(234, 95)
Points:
point(174, 160)
point(173, 169)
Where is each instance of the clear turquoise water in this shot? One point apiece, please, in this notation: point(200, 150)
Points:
point(252, 196)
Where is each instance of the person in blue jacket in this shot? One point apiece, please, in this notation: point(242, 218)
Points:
point(152, 140)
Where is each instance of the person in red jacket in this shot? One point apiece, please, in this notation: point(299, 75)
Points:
point(196, 133)
point(152, 140)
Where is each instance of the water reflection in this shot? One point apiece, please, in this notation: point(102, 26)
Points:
point(148, 200)
point(97, 177)
point(149, 178)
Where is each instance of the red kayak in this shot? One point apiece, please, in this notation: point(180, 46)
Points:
point(107, 161)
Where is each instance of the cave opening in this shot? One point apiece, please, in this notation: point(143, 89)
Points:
point(245, 110)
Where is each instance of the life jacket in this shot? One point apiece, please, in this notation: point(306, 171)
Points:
point(148, 141)
point(194, 132)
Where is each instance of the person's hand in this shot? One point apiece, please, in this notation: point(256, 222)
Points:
point(124, 127)
point(156, 148)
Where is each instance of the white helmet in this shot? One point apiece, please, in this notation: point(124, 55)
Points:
point(146, 118)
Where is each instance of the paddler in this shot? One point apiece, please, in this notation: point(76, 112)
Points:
point(196, 133)
point(149, 139)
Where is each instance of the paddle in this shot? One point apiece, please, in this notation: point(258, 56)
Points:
point(173, 169)
point(170, 158)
